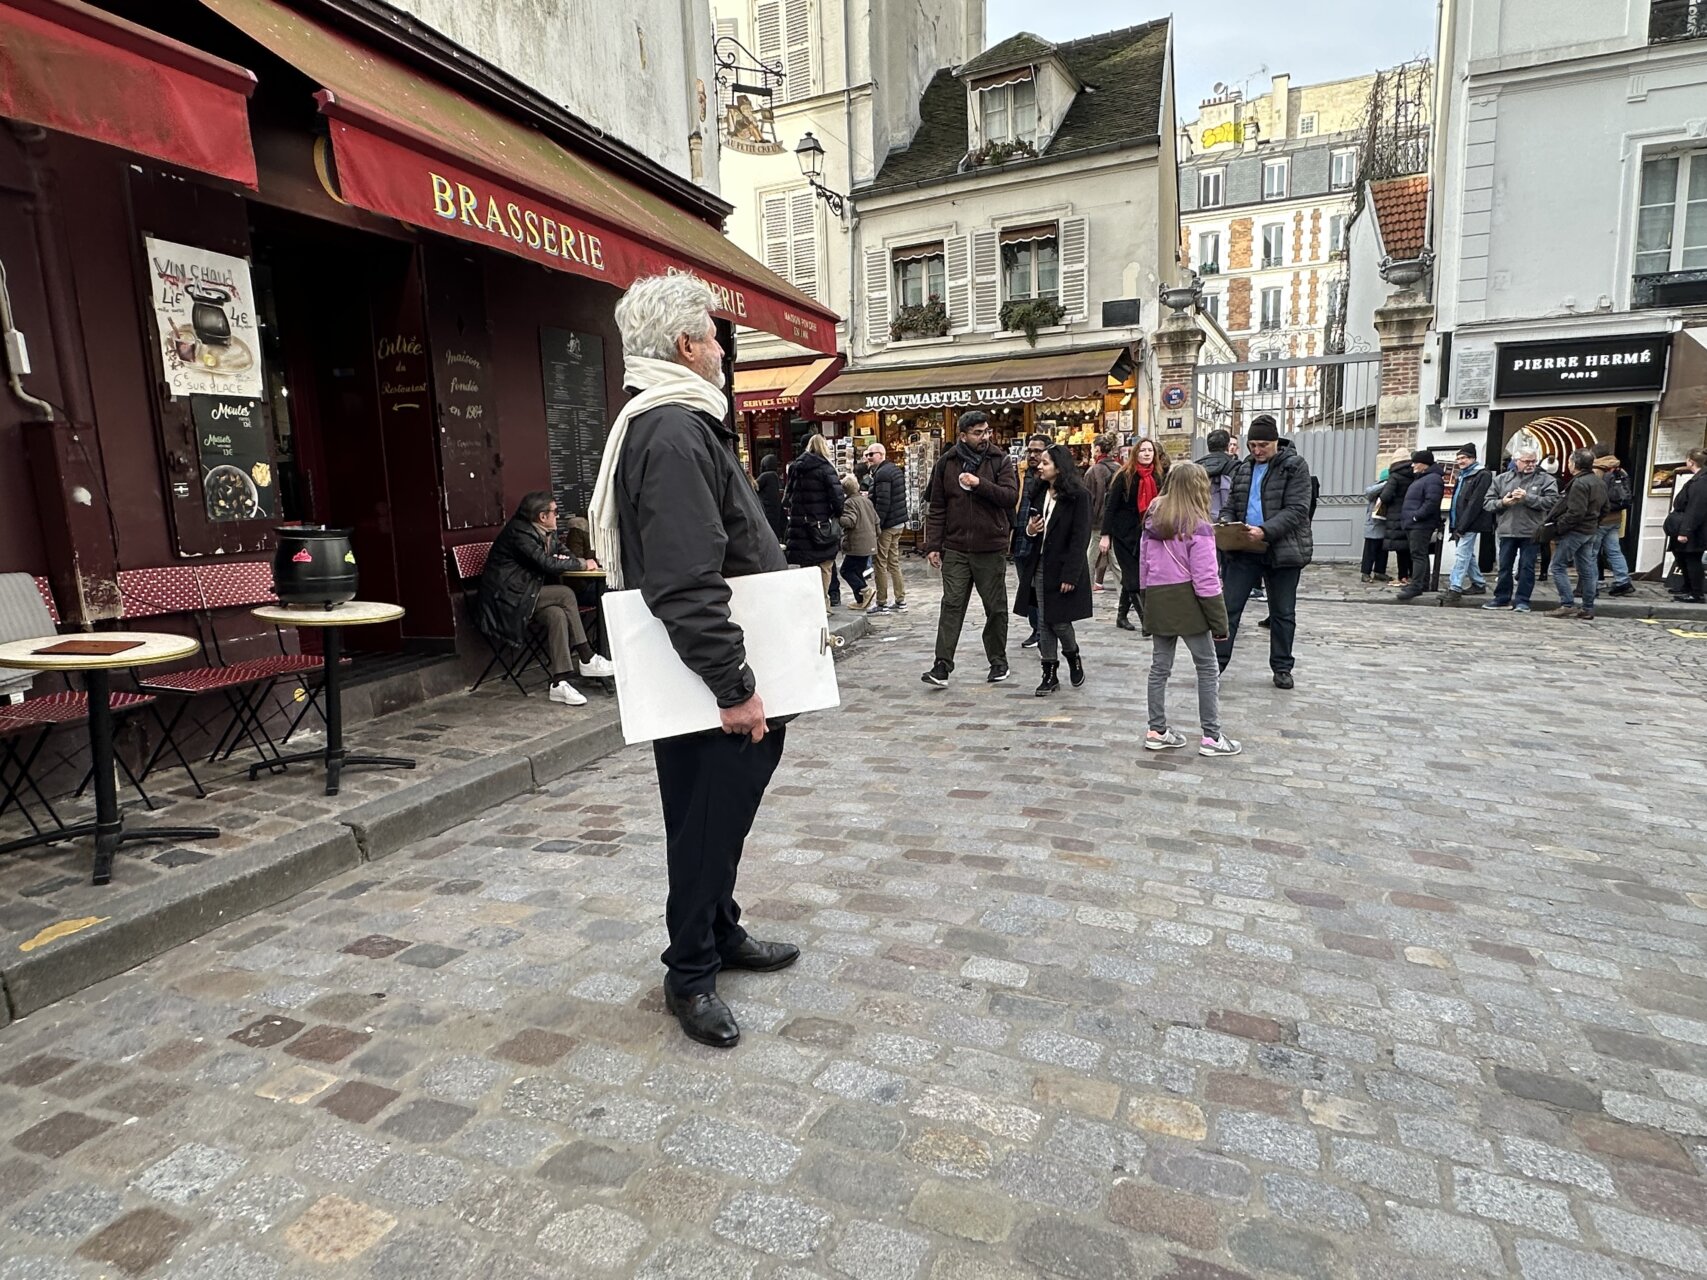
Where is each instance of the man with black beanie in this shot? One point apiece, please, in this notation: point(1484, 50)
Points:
point(1271, 493)
point(1420, 518)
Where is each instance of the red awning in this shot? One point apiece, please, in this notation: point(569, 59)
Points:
point(411, 148)
point(66, 65)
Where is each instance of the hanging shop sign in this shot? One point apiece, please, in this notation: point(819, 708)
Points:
point(964, 396)
point(1588, 366)
point(204, 316)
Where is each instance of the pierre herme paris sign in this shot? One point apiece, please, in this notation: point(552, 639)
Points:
point(1587, 366)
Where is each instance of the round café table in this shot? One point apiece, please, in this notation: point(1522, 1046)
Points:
point(142, 648)
point(331, 622)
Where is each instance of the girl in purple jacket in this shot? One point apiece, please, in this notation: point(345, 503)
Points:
point(1182, 599)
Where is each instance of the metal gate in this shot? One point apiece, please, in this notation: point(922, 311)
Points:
point(1326, 406)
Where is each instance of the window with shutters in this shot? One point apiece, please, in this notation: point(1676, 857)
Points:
point(789, 223)
point(1209, 253)
point(921, 275)
point(1274, 245)
point(782, 31)
point(1031, 264)
point(1211, 183)
point(1344, 173)
point(1270, 309)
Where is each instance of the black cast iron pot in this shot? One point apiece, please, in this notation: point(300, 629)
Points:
point(314, 565)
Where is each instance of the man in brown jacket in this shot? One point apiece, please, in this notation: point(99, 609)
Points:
point(971, 498)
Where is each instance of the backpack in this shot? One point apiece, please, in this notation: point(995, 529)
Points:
point(1315, 495)
point(1220, 491)
point(1619, 492)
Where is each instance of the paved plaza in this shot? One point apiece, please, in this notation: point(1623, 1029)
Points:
point(1416, 987)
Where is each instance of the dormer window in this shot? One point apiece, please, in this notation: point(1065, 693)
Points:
point(1010, 109)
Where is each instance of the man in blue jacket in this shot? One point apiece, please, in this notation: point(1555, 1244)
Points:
point(889, 496)
point(1420, 518)
point(1271, 490)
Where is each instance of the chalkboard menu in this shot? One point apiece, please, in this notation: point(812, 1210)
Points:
point(463, 390)
point(577, 417)
point(235, 456)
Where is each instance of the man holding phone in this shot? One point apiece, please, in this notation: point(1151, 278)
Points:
point(970, 501)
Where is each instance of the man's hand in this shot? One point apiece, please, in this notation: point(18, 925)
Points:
point(935, 559)
point(592, 565)
point(969, 480)
point(1067, 588)
point(746, 719)
point(1255, 530)
point(1103, 545)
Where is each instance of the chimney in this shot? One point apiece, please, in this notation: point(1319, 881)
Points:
point(1280, 108)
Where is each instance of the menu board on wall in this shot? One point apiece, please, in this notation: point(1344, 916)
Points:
point(577, 417)
point(236, 461)
point(204, 315)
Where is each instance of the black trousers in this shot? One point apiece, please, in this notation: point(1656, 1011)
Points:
point(711, 785)
point(1422, 575)
point(1129, 584)
point(1375, 556)
point(1239, 579)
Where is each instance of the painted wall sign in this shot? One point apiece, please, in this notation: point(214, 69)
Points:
point(1173, 397)
point(204, 317)
point(1583, 366)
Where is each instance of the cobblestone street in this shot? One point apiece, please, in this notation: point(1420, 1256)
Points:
point(1416, 987)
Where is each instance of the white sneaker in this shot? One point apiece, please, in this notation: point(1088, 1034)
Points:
point(598, 667)
point(1222, 746)
point(566, 693)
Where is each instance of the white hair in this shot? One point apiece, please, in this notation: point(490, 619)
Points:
point(1526, 450)
point(657, 310)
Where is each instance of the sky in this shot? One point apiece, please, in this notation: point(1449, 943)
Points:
point(1240, 43)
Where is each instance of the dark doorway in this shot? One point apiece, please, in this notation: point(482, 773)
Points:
point(352, 340)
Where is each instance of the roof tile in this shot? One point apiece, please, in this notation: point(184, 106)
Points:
point(1401, 214)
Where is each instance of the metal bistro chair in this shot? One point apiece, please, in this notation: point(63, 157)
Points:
point(469, 561)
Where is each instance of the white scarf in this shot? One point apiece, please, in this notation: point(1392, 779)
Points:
point(660, 382)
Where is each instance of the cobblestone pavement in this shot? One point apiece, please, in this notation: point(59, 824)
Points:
point(1417, 987)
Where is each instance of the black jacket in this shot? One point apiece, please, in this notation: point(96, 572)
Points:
point(1690, 510)
point(770, 498)
point(1392, 504)
point(522, 559)
point(814, 493)
point(1469, 513)
point(1579, 510)
point(1422, 499)
point(1065, 543)
point(690, 521)
point(1120, 519)
point(889, 495)
point(1291, 544)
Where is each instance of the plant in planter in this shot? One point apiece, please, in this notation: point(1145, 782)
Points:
point(1028, 315)
point(1000, 152)
point(921, 320)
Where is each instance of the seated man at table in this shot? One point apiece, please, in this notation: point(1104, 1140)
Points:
point(520, 583)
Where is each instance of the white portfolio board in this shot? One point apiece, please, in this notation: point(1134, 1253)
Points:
point(788, 648)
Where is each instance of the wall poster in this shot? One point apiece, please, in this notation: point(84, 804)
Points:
point(236, 458)
point(204, 314)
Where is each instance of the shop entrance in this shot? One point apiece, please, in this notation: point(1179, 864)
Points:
point(1628, 427)
point(354, 399)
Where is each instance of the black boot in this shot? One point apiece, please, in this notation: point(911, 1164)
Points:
point(1123, 619)
point(1050, 681)
point(1075, 668)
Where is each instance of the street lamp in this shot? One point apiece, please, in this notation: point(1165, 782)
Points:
point(810, 154)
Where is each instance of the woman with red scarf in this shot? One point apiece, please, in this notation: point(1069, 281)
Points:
point(1130, 494)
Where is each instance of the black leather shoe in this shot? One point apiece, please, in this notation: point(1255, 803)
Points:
point(704, 1018)
point(762, 957)
point(1282, 679)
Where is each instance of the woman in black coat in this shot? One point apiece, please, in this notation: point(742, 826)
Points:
point(1686, 526)
point(1055, 577)
point(1392, 504)
point(1130, 494)
point(770, 495)
point(815, 501)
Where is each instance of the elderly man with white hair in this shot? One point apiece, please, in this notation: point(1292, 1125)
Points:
point(675, 517)
point(1520, 499)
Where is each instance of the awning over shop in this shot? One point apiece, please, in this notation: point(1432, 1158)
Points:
point(1686, 382)
point(1062, 375)
point(66, 65)
point(411, 148)
point(781, 386)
